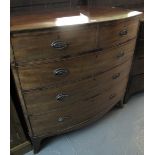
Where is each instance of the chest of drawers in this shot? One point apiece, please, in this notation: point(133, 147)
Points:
point(71, 67)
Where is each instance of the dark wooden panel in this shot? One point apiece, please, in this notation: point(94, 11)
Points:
point(43, 75)
point(26, 3)
point(19, 144)
point(43, 101)
point(136, 85)
point(118, 2)
point(17, 134)
point(138, 67)
point(139, 51)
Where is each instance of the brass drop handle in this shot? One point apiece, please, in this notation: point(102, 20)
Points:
point(60, 72)
point(115, 76)
point(59, 45)
point(112, 96)
point(123, 32)
point(60, 97)
point(121, 54)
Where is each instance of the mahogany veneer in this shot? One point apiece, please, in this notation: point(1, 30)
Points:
point(71, 67)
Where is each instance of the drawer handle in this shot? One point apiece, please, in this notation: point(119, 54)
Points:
point(116, 76)
point(112, 96)
point(60, 72)
point(60, 97)
point(121, 54)
point(62, 119)
point(123, 32)
point(60, 45)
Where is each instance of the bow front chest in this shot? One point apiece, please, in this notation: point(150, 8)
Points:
point(70, 67)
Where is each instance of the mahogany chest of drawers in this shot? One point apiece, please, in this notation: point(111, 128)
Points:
point(71, 67)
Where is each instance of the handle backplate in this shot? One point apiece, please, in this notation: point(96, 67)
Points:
point(60, 45)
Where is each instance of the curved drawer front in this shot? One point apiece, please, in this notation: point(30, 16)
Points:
point(55, 43)
point(115, 33)
point(46, 100)
point(62, 119)
point(43, 75)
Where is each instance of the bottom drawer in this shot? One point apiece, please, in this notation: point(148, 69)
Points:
point(62, 119)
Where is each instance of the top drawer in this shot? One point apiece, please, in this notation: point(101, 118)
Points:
point(55, 43)
point(117, 32)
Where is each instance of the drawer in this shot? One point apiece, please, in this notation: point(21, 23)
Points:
point(66, 118)
point(49, 99)
point(53, 44)
point(55, 73)
point(138, 66)
point(115, 33)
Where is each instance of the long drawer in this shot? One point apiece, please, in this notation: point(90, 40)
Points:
point(54, 43)
point(49, 99)
point(45, 74)
point(65, 118)
point(116, 33)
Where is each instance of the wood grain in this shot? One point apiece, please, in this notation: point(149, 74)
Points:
point(43, 19)
point(43, 101)
point(34, 46)
point(110, 34)
point(44, 124)
point(91, 73)
point(41, 75)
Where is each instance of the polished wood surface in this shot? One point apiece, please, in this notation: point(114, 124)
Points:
point(32, 46)
point(42, 75)
point(40, 20)
point(68, 117)
point(75, 93)
point(83, 77)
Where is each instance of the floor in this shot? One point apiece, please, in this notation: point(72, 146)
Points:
point(120, 132)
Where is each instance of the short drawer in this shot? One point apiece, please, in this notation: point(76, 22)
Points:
point(65, 118)
point(115, 33)
point(49, 99)
point(53, 44)
point(55, 73)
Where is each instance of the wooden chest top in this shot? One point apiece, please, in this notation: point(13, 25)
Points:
point(36, 19)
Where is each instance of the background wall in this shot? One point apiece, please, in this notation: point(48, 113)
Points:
point(71, 3)
point(118, 2)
